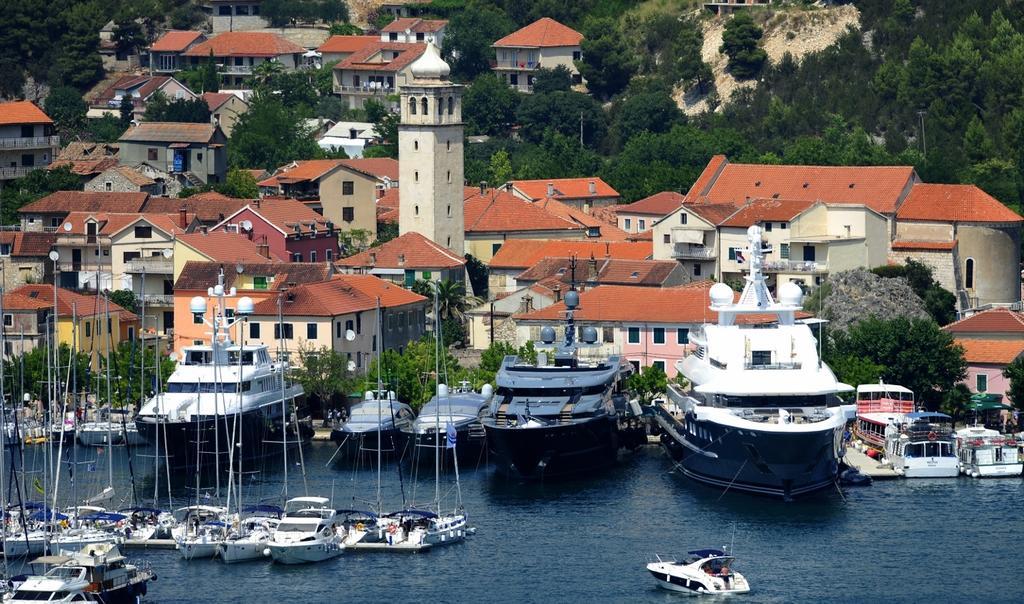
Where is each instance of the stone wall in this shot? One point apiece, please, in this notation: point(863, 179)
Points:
point(940, 261)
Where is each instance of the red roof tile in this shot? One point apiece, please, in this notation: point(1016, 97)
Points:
point(111, 223)
point(647, 235)
point(714, 213)
point(22, 112)
point(342, 294)
point(142, 86)
point(219, 246)
point(300, 171)
point(169, 132)
point(245, 44)
point(28, 244)
point(16, 302)
point(565, 188)
point(409, 251)
point(497, 210)
point(954, 203)
point(197, 275)
point(545, 32)
point(339, 44)
point(996, 320)
point(881, 188)
point(415, 25)
point(387, 206)
point(766, 210)
point(378, 167)
point(610, 271)
point(216, 99)
point(209, 207)
point(379, 56)
point(85, 167)
point(659, 204)
point(524, 253)
point(69, 301)
point(175, 41)
point(904, 244)
point(991, 352)
point(63, 202)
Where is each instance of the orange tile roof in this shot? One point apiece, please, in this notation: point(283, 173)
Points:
point(542, 33)
point(378, 167)
point(111, 223)
point(209, 207)
point(63, 202)
point(387, 206)
point(991, 352)
point(557, 208)
point(340, 295)
point(341, 44)
point(767, 210)
point(881, 188)
point(143, 86)
point(219, 246)
point(647, 235)
point(524, 253)
point(414, 24)
point(610, 271)
point(85, 167)
point(245, 44)
point(713, 213)
point(22, 112)
point(361, 59)
point(197, 275)
point(498, 211)
point(618, 303)
point(15, 302)
point(904, 244)
point(996, 320)
point(409, 251)
point(300, 171)
point(285, 214)
point(954, 203)
point(69, 302)
point(134, 176)
point(565, 188)
point(169, 132)
point(659, 204)
point(175, 41)
point(28, 244)
point(216, 99)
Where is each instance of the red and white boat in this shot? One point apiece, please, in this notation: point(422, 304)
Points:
point(880, 405)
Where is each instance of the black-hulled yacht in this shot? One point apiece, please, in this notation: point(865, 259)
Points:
point(561, 417)
point(457, 412)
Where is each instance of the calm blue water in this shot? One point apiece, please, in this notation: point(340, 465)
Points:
point(897, 541)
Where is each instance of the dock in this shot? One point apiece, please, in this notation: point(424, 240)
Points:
point(855, 458)
point(380, 546)
point(150, 544)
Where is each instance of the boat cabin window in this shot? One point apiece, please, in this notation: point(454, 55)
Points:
point(247, 357)
point(774, 402)
point(760, 358)
point(207, 387)
point(198, 357)
point(550, 393)
point(293, 527)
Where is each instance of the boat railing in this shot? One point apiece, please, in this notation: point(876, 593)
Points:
point(885, 405)
point(772, 366)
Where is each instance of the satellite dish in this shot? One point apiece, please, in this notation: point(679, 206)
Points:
point(351, 365)
point(67, 227)
point(350, 335)
point(167, 253)
point(246, 225)
point(172, 355)
point(239, 268)
point(54, 255)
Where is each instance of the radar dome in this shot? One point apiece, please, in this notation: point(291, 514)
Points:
point(487, 391)
point(790, 294)
point(547, 335)
point(197, 305)
point(721, 294)
point(589, 335)
point(442, 390)
point(245, 306)
point(430, 65)
point(572, 299)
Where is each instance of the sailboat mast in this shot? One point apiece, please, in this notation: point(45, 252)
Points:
point(380, 419)
point(3, 435)
point(438, 343)
point(284, 402)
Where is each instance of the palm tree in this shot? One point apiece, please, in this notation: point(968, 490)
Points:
point(266, 71)
point(452, 301)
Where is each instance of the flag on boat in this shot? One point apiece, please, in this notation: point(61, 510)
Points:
point(91, 467)
point(739, 257)
point(38, 486)
point(452, 435)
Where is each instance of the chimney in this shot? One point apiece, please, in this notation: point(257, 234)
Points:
point(264, 250)
point(401, 260)
point(607, 249)
point(203, 229)
point(380, 191)
point(373, 258)
point(551, 189)
point(557, 289)
point(257, 202)
point(182, 217)
point(483, 187)
point(593, 187)
point(592, 269)
point(527, 303)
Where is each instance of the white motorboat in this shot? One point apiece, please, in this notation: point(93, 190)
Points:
point(704, 571)
point(251, 539)
point(878, 406)
point(308, 532)
point(98, 573)
point(200, 529)
point(984, 452)
point(922, 446)
point(94, 434)
point(51, 588)
point(21, 544)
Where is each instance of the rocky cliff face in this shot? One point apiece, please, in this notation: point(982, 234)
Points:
point(851, 296)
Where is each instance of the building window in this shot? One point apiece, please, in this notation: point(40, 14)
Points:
point(732, 253)
point(415, 145)
point(449, 175)
point(449, 145)
point(969, 273)
point(641, 224)
point(254, 330)
point(981, 382)
point(224, 10)
point(808, 253)
point(659, 365)
point(108, 186)
point(297, 257)
point(608, 335)
point(348, 214)
point(682, 218)
point(259, 283)
point(349, 326)
point(696, 269)
point(424, 107)
point(451, 106)
point(143, 232)
point(627, 224)
point(760, 358)
point(88, 329)
point(412, 104)
point(633, 335)
point(197, 318)
point(312, 256)
point(328, 255)
point(416, 176)
point(151, 153)
point(416, 208)
point(310, 331)
point(494, 248)
point(666, 238)
point(577, 55)
point(659, 335)
point(784, 251)
point(682, 335)
point(783, 225)
point(8, 320)
point(419, 36)
point(348, 187)
point(288, 332)
point(767, 227)
point(410, 277)
point(5, 249)
point(391, 322)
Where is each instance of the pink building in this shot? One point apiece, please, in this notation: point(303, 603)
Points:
point(986, 360)
point(287, 227)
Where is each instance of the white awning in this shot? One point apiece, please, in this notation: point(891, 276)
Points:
point(687, 236)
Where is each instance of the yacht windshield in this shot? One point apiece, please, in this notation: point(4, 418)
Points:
point(295, 527)
point(247, 357)
point(550, 392)
point(204, 387)
point(774, 402)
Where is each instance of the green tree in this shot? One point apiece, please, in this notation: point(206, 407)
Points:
point(1015, 373)
point(126, 111)
point(128, 36)
point(385, 124)
point(453, 301)
point(323, 79)
point(345, 29)
point(411, 374)
point(478, 276)
point(269, 135)
point(467, 43)
point(500, 170)
point(324, 374)
point(562, 112)
point(856, 370)
point(607, 63)
point(33, 186)
point(126, 365)
point(284, 12)
point(552, 80)
point(78, 63)
point(106, 129)
point(30, 370)
point(266, 71)
point(156, 107)
point(648, 384)
point(741, 42)
point(210, 81)
point(125, 298)
point(955, 401)
point(489, 106)
point(648, 111)
point(240, 184)
point(66, 108)
point(915, 353)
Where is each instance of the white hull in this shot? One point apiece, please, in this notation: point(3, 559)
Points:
point(191, 550)
point(305, 552)
point(446, 530)
point(16, 545)
point(94, 438)
point(241, 550)
point(73, 544)
point(994, 470)
point(929, 467)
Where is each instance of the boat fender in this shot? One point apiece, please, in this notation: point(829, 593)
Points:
point(359, 526)
point(392, 529)
point(266, 552)
point(932, 436)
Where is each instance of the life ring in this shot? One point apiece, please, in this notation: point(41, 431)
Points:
point(359, 526)
point(932, 436)
point(392, 529)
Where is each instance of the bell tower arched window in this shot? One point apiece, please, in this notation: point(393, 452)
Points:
point(412, 106)
point(969, 273)
point(451, 106)
point(424, 105)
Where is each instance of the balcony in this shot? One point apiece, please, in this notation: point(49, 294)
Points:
point(18, 172)
point(156, 299)
point(693, 252)
point(795, 266)
point(516, 65)
point(30, 142)
point(157, 265)
point(235, 69)
point(366, 89)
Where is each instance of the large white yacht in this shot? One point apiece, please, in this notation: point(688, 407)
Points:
point(985, 452)
point(309, 531)
point(217, 384)
point(763, 415)
point(921, 445)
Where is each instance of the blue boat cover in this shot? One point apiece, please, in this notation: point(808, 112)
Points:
point(42, 515)
point(420, 513)
point(214, 523)
point(706, 553)
point(927, 415)
point(266, 509)
point(363, 512)
point(104, 516)
point(147, 510)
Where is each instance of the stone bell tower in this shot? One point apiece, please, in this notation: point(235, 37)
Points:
point(430, 154)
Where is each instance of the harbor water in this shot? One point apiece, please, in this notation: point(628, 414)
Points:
point(588, 540)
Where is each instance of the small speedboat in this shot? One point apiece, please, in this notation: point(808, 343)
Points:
point(379, 421)
point(308, 532)
point(704, 571)
point(250, 540)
